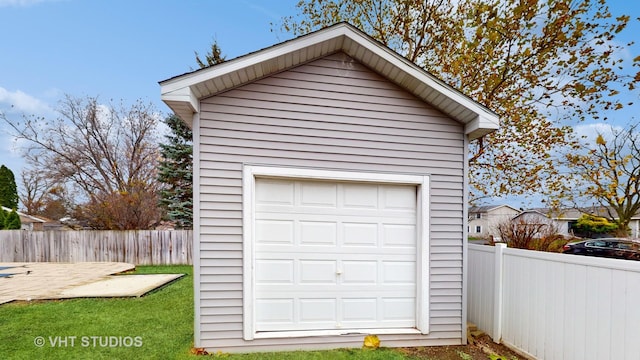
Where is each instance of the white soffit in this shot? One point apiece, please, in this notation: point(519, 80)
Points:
point(183, 93)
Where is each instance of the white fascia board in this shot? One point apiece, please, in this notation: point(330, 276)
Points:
point(183, 95)
point(197, 77)
point(481, 126)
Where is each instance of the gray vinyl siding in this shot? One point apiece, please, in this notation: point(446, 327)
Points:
point(332, 113)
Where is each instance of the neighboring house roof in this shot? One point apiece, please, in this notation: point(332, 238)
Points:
point(532, 212)
point(24, 218)
point(489, 208)
point(575, 213)
point(182, 93)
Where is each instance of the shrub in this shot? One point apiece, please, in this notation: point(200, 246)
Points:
point(9, 220)
point(590, 225)
point(530, 232)
point(12, 221)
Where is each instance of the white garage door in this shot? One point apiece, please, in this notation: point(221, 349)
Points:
point(334, 255)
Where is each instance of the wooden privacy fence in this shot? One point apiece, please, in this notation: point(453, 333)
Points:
point(140, 247)
point(555, 306)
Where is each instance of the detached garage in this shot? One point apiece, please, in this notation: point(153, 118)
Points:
point(330, 196)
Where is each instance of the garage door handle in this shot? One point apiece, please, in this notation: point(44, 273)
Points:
point(339, 272)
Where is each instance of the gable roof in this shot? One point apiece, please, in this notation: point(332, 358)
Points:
point(531, 212)
point(489, 208)
point(184, 92)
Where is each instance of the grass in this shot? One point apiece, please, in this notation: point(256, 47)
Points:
point(156, 326)
point(162, 321)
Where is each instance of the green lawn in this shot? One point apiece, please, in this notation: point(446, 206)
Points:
point(156, 326)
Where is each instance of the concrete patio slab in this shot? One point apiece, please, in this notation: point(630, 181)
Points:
point(40, 281)
point(120, 286)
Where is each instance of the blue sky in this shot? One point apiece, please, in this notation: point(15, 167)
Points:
point(120, 49)
point(116, 49)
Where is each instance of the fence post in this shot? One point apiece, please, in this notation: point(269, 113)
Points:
point(497, 292)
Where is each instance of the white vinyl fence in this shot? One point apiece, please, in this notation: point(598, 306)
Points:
point(556, 306)
point(139, 247)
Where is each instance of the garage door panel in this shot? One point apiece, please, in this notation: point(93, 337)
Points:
point(274, 311)
point(395, 235)
point(282, 291)
point(342, 215)
point(277, 251)
point(360, 309)
point(318, 194)
point(398, 272)
point(351, 248)
point(398, 198)
point(277, 271)
point(274, 192)
point(359, 272)
point(318, 272)
point(318, 311)
point(353, 231)
point(360, 234)
point(310, 313)
point(323, 233)
point(360, 196)
point(275, 231)
point(395, 309)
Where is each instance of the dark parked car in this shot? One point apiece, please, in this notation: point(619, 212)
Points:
point(608, 247)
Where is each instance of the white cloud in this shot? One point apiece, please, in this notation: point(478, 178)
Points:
point(589, 132)
point(13, 105)
point(19, 101)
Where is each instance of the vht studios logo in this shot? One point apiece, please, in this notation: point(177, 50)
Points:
point(88, 341)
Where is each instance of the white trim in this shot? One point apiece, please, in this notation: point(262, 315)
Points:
point(335, 175)
point(196, 77)
point(249, 175)
point(196, 230)
point(465, 240)
point(481, 125)
point(422, 261)
point(496, 332)
point(183, 95)
point(290, 334)
point(248, 263)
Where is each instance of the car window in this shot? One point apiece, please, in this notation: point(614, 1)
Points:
point(623, 246)
point(598, 243)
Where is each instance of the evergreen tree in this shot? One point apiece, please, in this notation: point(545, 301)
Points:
point(12, 221)
point(176, 172)
point(213, 57)
point(176, 166)
point(8, 189)
point(3, 217)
